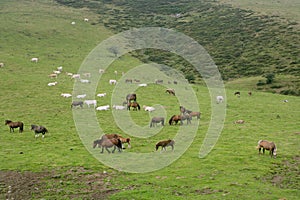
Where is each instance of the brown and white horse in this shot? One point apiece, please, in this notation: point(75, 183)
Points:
point(270, 146)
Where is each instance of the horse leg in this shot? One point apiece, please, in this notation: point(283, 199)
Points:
point(263, 150)
point(113, 151)
point(102, 150)
point(107, 149)
point(259, 150)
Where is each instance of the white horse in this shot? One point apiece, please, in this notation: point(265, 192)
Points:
point(91, 102)
point(34, 60)
point(220, 99)
point(112, 82)
point(106, 107)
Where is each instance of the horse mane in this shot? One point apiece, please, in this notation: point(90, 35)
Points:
point(171, 119)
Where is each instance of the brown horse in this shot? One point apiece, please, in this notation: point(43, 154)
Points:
point(170, 91)
point(12, 125)
point(270, 146)
point(183, 110)
point(108, 143)
point(181, 118)
point(156, 120)
point(134, 105)
point(165, 143)
point(195, 114)
point(130, 97)
point(116, 136)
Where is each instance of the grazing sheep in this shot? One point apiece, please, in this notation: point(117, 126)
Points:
point(101, 71)
point(81, 96)
point(52, 84)
point(106, 107)
point(52, 75)
point(34, 60)
point(56, 72)
point(1, 65)
point(119, 107)
point(143, 85)
point(112, 82)
point(240, 121)
point(66, 95)
point(220, 99)
point(148, 108)
point(60, 68)
point(101, 95)
point(85, 81)
point(73, 23)
point(75, 76)
point(86, 19)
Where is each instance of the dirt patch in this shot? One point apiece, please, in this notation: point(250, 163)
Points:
point(285, 174)
point(75, 183)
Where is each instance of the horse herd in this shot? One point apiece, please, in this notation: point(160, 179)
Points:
point(37, 129)
point(116, 141)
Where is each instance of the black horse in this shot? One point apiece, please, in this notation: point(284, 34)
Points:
point(39, 129)
point(13, 125)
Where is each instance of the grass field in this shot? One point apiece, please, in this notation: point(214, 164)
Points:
point(60, 167)
point(284, 9)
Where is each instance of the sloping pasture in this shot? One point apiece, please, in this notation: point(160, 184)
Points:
point(232, 170)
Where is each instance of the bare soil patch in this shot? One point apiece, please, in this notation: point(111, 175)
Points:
point(75, 183)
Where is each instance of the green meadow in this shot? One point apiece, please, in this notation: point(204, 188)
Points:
point(62, 167)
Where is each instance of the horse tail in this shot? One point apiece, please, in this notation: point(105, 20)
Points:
point(21, 127)
point(171, 119)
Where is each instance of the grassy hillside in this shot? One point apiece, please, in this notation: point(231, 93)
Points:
point(242, 42)
point(61, 167)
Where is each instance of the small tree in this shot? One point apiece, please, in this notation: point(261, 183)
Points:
point(270, 78)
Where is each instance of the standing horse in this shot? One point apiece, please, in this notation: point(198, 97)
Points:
point(108, 143)
point(181, 118)
point(183, 110)
point(170, 91)
point(270, 146)
point(116, 136)
point(156, 120)
point(39, 129)
point(130, 97)
point(12, 125)
point(133, 104)
point(195, 114)
point(165, 143)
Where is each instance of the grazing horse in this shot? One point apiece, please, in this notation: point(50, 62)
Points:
point(12, 125)
point(195, 114)
point(170, 91)
point(77, 103)
point(108, 143)
point(237, 93)
point(130, 97)
point(165, 143)
point(133, 104)
point(39, 129)
point(181, 118)
point(156, 120)
point(116, 136)
point(184, 111)
point(270, 146)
